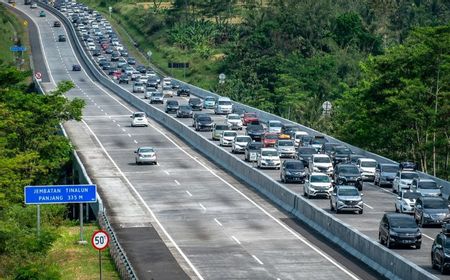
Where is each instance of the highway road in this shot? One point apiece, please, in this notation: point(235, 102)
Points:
point(215, 226)
point(377, 202)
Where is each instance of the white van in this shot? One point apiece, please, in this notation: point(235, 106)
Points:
point(223, 106)
point(298, 137)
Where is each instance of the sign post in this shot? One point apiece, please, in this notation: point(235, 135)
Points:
point(38, 76)
point(326, 106)
point(60, 194)
point(100, 241)
point(110, 11)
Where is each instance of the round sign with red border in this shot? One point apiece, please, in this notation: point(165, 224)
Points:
point(100, 240)
point(38, 75)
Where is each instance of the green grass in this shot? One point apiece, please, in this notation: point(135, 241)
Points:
point(80, 261)
point(11, 26)
point(202, 72)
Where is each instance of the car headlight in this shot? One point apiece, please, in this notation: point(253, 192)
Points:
point(360, 202)
point(403, 182)
point(330, 168)
point(426, 215)
point(316, 168)
point(288, 173)
point(393, 233)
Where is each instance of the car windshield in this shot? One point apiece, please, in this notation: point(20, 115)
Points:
point(319, 141)
point(255, 127)
point(195, 101)
point(250, 115)
point(139, 115)
point(224, 102)
point(221, 127)
point(185, 107)
point(343, 150)
point(322, 159)
point(275, 124)
point(368, 163)
point(146, 150)
point(254, 146)
point(269, 153)
point(348, 192)
point(204, 119)
point(209, 99)
point(230, 133)
point(435, 204)
point(166, 88)
point(403, 222)
point(271, 136)
point(243, 139)
point(138, 84)
point(173, 103)
point(389, 168)
point(411, 195)
point(157, 94)
point(428, 185)
point(306, 151)
point(285, 143)
point(409, 176)
point(233, 117)
point(295, 165)
point(349, 170)
point(319, 179)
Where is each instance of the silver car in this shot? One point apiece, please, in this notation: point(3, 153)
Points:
point(239, 143)
point(146, 155)
point(286, 148)
point(346, 198)
point(138, 87)
point(156, 97)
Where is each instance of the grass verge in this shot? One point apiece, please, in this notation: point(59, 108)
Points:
point(80, 262)
point(12, 27)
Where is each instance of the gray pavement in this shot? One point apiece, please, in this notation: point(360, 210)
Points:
point(215, 227)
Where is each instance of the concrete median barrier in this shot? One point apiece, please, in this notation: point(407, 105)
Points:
point(384, 261)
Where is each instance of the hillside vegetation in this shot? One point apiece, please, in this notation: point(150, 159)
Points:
point(383, 64)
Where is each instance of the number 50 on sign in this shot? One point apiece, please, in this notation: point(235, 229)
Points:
point(100, 240)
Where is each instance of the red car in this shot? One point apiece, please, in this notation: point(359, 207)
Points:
point(249, 118)
point(269, 139)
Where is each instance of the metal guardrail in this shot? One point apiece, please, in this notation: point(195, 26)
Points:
point(386, 262)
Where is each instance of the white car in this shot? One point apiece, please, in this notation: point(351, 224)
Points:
point(367, 168)
point(146, 155)
point(91, 46)
point(239, 143)
point(317, 184)
point(286, 148)
point(234, 121)
point(167, 81)
point(138, 119)
point(223, 106)
point(405, 201)
point(403, 180)
point(227, 137)
point(274, 126)
point(322, 163)
point(298, 137)
point(167, 91)
point(269, 158)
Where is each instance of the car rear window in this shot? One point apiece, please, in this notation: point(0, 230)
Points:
point(222, 127)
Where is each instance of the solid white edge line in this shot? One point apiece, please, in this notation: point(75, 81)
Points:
point(368, 205)
point(258, 260)
point(145, 204)
point(313, 247)
point(235, 239)
point(167, 172)
point(429, 237)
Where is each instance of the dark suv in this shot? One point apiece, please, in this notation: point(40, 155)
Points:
point(385, 173)
point(172, 106)
point(195, 103)
point(430, 210)
point(292, 171)
point(440, 251)
point(203, 122)
point(340, 154)
point(348, 174)
point(399, 229)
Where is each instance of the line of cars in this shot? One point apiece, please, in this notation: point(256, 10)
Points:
point(326, 169)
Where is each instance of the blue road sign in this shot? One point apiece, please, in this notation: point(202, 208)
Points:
point(18, 48)
point(60, 194)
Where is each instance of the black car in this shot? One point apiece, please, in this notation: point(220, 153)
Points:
point(109, 50)
point(96, 52)
point(305, 140)
point(203, 122)
point(152, 83)
point(61, 38)
point(56, 24)
point(115, 56)
point(124, 53)
point(407, 165)
point(76, 67)
point(131, 61)
point(124, 79)
point(252, 150)
point(440, 251)
point(430, 210)
point(141, 69)
point(106, 66)
point(184, 111)
point(385, 174)
point(172, 106)
point(290, 129)
point(340, 154)
point(305, 154)
point(255, 131)
point(353, 158)
point(196, 103)
point(111, 70)
point(327, 148)
point(293, 171)
point(399, 229)
point(183, 91)
point(348, 174)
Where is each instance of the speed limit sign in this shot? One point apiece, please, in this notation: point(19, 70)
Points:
point(100, 240)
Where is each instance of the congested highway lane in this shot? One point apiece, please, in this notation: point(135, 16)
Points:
point(222, 231)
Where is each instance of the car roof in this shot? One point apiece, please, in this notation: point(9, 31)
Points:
point(367, 159)
point(425, 180)
point(269, 149)
point(320, 155)
point(318, 174)
point(398, 215)
point(388, 164)
point(346, 165)
point(346, 187)
point(432, 198)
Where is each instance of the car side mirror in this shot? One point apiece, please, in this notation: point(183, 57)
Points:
point(135, 152)
point(418, 206)
point(307, 181)
point(361, 194)
point(398, 197)
point(131, 116)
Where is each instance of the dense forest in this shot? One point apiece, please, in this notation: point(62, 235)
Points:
point(32, 152)
point(383, 64)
